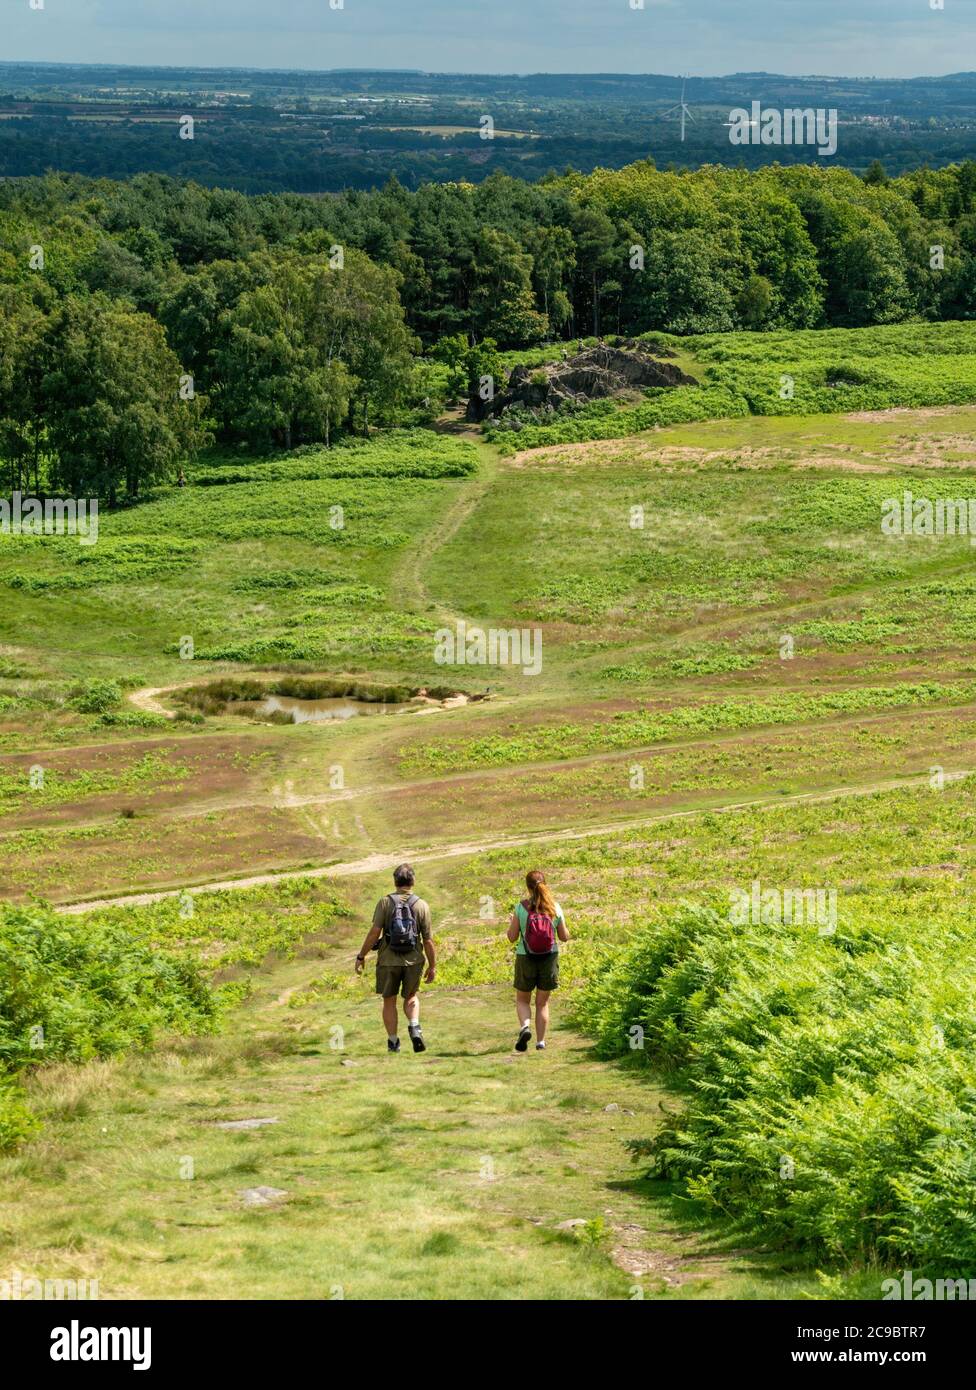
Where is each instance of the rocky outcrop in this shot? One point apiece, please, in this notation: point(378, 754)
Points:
point(595, 373)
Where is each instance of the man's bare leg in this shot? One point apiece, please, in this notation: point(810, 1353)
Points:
point(411, 1007)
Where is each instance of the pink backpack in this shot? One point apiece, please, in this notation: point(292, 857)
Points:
point(539, 934)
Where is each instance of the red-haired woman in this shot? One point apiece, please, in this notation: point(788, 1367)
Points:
point(537, 926)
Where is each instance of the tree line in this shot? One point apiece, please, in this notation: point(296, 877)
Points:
point(140, 318)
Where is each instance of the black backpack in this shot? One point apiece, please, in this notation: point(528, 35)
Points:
point(402, 934)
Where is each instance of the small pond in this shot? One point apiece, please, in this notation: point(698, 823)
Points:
point(313, 711)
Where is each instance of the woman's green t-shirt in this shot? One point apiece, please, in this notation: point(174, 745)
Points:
point(523, 921)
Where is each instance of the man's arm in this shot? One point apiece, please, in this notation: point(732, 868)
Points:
point(431, 955)
point(427, 941)
point(372, 936)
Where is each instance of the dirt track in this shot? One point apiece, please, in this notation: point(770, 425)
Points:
point(376, 863)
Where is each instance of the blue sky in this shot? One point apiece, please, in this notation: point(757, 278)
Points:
point(847, 37)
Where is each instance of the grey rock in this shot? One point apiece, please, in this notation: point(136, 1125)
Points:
point(245, 1124)
point(591, 375)
point(261, 1196)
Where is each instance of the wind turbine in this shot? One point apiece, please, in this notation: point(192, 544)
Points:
point(683, 107)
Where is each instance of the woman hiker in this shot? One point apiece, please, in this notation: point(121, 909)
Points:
point(537, 926)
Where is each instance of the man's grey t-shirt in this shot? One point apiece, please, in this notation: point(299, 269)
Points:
point(382, 917)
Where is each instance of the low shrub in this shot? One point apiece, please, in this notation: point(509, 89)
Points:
point(830, 1077)
point(72, 989)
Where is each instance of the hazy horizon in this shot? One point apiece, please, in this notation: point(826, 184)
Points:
point(710, 38)
point(501, 73)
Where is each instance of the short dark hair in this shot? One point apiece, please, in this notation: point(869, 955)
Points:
point(403, 876)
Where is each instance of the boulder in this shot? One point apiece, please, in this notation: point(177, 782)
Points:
point(261, 1196)
point(591, 375)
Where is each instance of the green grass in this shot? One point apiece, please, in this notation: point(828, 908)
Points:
point(645, 545)
point(640, 728)
point(829, 1075)
point(17, 792)
point(666, 635)
point(393, 454)
point(920, 842)
point(458, 1166)
point(220, 930)
point(71, 991)
point(800, 372)
point(287, 560)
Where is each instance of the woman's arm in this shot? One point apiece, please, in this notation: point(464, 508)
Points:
point(561, 931)
point(513, 927)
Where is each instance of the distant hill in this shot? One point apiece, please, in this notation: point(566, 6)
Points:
point(291, 131)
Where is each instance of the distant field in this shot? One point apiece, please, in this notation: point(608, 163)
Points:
point(457, 130)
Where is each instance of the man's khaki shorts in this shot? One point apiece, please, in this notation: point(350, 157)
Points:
point(396, 977)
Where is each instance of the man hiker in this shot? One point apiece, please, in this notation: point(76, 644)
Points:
point(401, 932)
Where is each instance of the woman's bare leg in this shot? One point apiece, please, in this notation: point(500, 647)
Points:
point(541, 1013)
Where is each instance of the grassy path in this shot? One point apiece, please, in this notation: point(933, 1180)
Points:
point(444, 1175)
point(409, 590)
point(466, 1172)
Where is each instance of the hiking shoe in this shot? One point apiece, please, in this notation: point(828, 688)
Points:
point(522, 1041)
point(417, 1039)
point(393, 1044)
point(540, 1047)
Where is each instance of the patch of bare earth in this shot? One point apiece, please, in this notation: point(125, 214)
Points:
point(936, 451)
point(147, 700)
point(631, 450)
point(895, 412)
point(204, 770)
point(846, 465)
point(630, 1254)
point(635, 452)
